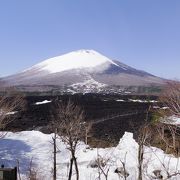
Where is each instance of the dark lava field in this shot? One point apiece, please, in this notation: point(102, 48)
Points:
point(111, 115)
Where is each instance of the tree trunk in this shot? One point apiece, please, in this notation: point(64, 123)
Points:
point(70, 169)
point(86, 138)
point(76, 167)
point(55, 152)
point(140, 160)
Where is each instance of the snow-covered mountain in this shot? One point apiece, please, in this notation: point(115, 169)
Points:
point(87, 69)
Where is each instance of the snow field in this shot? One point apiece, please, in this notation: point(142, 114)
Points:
point(37, 146)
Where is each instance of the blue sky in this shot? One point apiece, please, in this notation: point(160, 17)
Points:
point(144, 34)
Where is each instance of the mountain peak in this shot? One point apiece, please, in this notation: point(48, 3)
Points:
point(88, 51)
point(74, 60)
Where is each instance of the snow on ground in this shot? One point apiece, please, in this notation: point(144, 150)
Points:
point(37, 146)
point(142, 101)
point(164, 108)
point(43, 102)
point(88, 85)
point(7, 113)
point(120, 100)
point(156, 107)
point(2, 112)
point(12, 112)
point(127, 92)
point(172, 120)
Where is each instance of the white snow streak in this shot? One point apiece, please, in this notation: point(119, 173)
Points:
point(42, 102)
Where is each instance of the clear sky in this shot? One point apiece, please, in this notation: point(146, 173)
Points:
point(144, 34)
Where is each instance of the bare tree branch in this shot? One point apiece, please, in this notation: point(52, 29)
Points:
point(71, 127)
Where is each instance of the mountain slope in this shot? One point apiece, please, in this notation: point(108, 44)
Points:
point(79, 67)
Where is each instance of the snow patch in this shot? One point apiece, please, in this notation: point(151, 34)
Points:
point(142, 101)
point(164, 108)
point(88, 85)
point(43, 102)
point(175, 120)
point(7, 113)
point(120, 100)
point(11, 113)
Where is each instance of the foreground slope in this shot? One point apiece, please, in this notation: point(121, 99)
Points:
point(36, 146)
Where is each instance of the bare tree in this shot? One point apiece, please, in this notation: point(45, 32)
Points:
point(168, 135)
point(167, 131)
point(88, 127)
point(54, 154)
point(56, 150)
point(103, 166)
point(33, 172)
point(124, 172)
point(9, 105)
point(166, 167)
point(70, 125)
point(171, 98)
point(18, 170)
point(144, 138)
